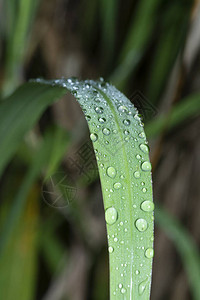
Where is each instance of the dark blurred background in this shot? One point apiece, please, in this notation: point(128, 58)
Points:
point(149, 49)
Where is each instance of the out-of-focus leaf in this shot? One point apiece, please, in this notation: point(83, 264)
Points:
point(170, 45)
point(19, 15)
point(185, 246)
point(187, 108)
point(20, 112)
point(140, 33)
point(49, 154)
point(18, 265)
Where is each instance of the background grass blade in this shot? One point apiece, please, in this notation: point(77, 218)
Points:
point(188, 107)
point(49, 154)
point(185, 246)
point(20, 112)
point(18, 264)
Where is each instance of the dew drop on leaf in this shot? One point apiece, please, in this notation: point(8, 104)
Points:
point(138, 156)
point(147, 206)
point(122, 108)
point(126, 132)
point(110, 249)
point(117, 185)
point(123, 290)
point(149, 253)
point(88, 118)
point(144, 148)
point(106, 131)
point(111, 172)
point(127, 122)
point(142, 287)
point(136, 174)
point(141, 135)
point(93, 137)
point(111, 215)
point(141, 224)
point(146, 166)
point(99, 110)
point(102, 120)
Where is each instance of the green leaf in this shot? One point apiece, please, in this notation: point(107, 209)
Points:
point(123, 161)
point(19, 113)
point(49, 153)
point(18, 265)
point(185, 246)
point(187, 108)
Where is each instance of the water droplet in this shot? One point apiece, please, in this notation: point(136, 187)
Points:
point(136, 174)
point(122, 108)
point(102, 120)
point(117, 185)
point(93, 137)
point(111, 172)
point(142, 135)
point(137, 272)
point(138, 156)
point(110, 249)
point(126, 132)
point(144, 148)
point(106, 131)
point(123, 290)
point(146, 166)
point(144, 190)
point(147, 206)
point(111, 215)
point(141, 224)
point(127, 122)
point(149, 253)
point(142, 287)
point(120, 285)
point(115, 239)
point(99, 110)
point(88, 118)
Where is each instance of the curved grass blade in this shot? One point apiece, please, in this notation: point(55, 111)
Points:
point(185, 246)
point(122, 155)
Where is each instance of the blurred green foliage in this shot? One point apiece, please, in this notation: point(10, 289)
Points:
point(138, 45)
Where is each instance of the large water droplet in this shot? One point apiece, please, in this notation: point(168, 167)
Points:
point(93, 137)
point(117, 185)
point(127, 122)
point(122, 108)
point(144, 148)
point(149, 253)
point(111, 172)
point(142, 287)
point(147, 206)
point(102, 120)
point(146, 166)
point(126, 132)
point(142, 135)
point(136, 174)
point(144, 190)
point(99, 110)
point(106, 131)
point(123, 290)
point(141, 224)
point(88, 117)
point(111, 215)
point(110, 249)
